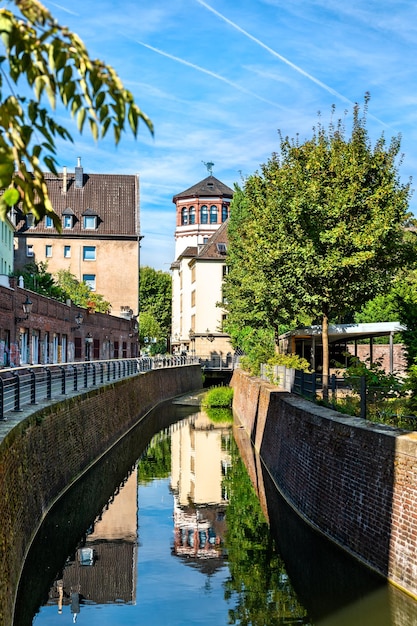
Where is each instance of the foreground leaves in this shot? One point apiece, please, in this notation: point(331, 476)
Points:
point(56, 66)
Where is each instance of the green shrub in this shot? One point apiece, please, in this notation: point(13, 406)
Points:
point(218, 397)
point(220, 416)
point(292, 361)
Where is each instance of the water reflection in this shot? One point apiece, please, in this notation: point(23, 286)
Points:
point(197, 545)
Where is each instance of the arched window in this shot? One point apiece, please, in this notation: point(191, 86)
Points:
point(213, 214)
point(225, 212)
point(204, 215)
point(192, 215)
point(184, 216)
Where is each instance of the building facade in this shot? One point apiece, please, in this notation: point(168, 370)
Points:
point(6, 250)
point(100, 238)
point(199, 269)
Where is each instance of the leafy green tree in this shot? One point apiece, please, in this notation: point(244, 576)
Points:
point(324, 224)
point(37, 278)
point(54, 63)
point(155, 301)
point(80, 293)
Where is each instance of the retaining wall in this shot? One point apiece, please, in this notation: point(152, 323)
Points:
point(49, 450)
point(354, 481)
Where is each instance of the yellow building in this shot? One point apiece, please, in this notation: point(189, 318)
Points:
point(100, 237)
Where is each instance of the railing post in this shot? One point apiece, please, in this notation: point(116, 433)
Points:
point(2, 400)
point(75, 378)
point(85, 366)
point(101, 373)
point(63, 380)
point(32, 387)
point(114, 370)
point(17, 392)
point(93, 365)
point(108, 371)
point(48, 384)
point(363, 397)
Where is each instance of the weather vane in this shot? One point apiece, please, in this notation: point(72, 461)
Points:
point(209, 167)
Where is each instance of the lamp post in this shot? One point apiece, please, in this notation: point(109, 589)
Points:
point(78, 320)
point(27, 310)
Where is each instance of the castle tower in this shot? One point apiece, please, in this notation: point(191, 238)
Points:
point(201, 209)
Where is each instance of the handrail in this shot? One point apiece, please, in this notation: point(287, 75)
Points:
point(25, 385)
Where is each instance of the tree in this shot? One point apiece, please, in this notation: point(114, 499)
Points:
point(55, 65)
point(80, 293)
point(155, 296)
point(324, 227)
point(37, 278)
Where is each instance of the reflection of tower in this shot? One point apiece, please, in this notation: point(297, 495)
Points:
point(103, 569)
point(200, 458)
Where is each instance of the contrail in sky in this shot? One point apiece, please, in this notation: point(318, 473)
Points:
point(283, 59)
point(213, 74)
point(275, 54)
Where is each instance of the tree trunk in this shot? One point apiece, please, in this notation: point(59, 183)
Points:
point(325, 342)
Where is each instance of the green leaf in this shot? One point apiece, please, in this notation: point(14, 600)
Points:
point(11, 197)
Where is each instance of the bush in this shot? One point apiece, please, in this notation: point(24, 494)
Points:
point(218, 398)
point(292, 361)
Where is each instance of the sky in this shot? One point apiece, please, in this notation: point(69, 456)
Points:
point(221, 78)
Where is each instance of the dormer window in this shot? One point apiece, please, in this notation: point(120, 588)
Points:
point(68, 219)
point(221, 248)
point(90, 220)
point(49, 222)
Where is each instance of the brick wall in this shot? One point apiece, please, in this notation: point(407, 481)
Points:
point(46, 452)
point(354, 481)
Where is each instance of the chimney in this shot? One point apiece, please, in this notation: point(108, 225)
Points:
point(64, 180)
point(79, 176)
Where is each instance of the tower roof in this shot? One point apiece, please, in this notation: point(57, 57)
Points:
point(208, 187)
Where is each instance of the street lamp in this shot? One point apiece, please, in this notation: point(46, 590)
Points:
point(27, 310)
point(78, 320)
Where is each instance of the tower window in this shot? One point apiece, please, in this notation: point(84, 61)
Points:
point(192, 215)
point(225, 212)
point(213, 214)
point(204, 214)
point(184, 216)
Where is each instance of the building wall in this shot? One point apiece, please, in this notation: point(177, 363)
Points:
point(354, 481)
point(116, 264)
point(79, 430)
point(6, 247)
point(50, 333)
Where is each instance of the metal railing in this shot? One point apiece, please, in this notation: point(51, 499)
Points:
point(24, 386)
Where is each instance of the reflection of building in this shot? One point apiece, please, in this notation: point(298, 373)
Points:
point(103, 568)
point(200, 458)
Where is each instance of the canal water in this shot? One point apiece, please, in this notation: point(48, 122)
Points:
point(167, 530)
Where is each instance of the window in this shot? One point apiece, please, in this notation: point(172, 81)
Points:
point(224, 212)
point(90, 280)
point(29, 250)
point(48, 251)
point(193, 274)
point(89, 253)
point(184, 217)
point(213, 214)
point(192, 215)
point(67, 252)
point(193, 298)
point(48, 222)
point(204, 214)
point(67, 221)
point(221, 248)
point(78, 348)
point(89, 222)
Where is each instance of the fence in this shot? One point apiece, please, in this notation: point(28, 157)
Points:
point(26, 386)
point(310, 386)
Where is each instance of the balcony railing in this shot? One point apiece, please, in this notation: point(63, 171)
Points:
point(24, 386)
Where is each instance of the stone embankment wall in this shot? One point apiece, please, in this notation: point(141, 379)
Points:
point(354, 481)
point(49, 450)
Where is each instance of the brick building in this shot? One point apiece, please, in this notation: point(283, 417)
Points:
point(58, 332)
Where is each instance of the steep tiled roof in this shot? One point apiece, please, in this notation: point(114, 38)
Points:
point(216, 247)
point(113, 198)
point(209, 187)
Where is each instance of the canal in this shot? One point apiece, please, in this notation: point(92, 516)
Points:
point(167, 529)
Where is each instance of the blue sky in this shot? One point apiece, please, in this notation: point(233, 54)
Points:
point(220, 78)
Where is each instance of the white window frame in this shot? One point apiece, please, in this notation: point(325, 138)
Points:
point(48, 251)
point(67, 221)
point(89, 222)
point(67, 252)
point(29, 250)
point(90, 280)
